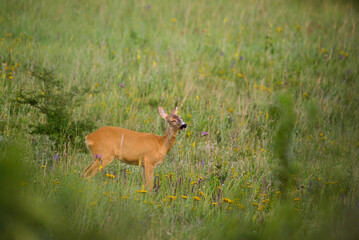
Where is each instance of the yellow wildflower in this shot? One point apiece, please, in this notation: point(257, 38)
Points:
point(241, 206)
point(172, 198)
point(196, 198)
point(227, 200)
point(110, 175)
point(141, 191)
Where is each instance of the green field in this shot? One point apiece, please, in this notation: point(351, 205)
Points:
point(273, 83)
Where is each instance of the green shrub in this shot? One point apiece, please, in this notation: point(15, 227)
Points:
point(56, 104)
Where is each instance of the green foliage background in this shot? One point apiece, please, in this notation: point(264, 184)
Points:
point(273, 83)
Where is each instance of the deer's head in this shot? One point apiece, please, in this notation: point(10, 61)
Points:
point(173, 120)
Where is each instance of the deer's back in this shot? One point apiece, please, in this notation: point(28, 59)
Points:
point(124, 144)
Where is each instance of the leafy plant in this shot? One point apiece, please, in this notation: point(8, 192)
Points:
point(56, 104)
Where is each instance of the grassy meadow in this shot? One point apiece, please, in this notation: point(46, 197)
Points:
point(269, 90)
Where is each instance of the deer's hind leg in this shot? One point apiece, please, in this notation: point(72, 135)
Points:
point(88, 167)
point(99, 162)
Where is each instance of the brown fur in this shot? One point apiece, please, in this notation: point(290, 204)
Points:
point(135, 148)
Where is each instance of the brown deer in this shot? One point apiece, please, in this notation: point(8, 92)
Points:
point(134, 148)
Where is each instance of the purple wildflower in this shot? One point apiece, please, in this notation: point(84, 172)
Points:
point(57, 157)
point(341, 56)
point(155, 184)
point(122, 85)
point(241, 57)
point(219, 194)
point(309, 187)
point(204, 134)
point(202, 162)
point(222, 53)
point(232, 63)
point(348, 72)
point(148, 6)
point(158, 184)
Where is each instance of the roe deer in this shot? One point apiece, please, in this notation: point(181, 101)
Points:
point(135, 148)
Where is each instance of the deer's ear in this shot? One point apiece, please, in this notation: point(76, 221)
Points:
point(174, 111)
point(162, 112)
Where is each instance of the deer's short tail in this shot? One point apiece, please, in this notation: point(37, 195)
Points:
point(88, 142)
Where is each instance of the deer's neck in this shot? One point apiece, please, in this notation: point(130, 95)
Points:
point(169, 139)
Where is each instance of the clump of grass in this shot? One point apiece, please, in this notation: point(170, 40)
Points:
point(283, 140)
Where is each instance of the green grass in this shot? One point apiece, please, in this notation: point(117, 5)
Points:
point(273, 83)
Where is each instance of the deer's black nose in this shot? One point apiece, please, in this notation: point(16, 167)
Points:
point(183, 126)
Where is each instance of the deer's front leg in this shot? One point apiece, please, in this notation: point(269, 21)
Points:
point(148, 175)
